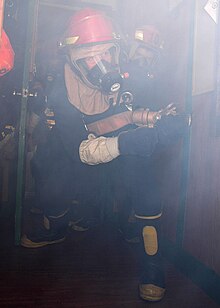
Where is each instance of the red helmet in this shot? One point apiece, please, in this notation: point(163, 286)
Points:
point(88, 26)
point(6, 55)
point(149, 36)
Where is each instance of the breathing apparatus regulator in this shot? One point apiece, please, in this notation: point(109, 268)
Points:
point(105, 77)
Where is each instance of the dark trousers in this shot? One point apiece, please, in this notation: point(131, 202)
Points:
point(131, 181)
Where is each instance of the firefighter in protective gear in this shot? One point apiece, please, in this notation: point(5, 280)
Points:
point(94, 139)
point(146, 48)
point(143, 53)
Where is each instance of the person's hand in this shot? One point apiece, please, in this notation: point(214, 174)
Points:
point(140, 141)
point(171, 128)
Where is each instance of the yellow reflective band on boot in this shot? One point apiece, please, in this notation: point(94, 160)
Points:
point(150, 240)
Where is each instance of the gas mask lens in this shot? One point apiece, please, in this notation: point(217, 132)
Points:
point(102, 72)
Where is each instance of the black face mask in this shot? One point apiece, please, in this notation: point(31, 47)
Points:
point(142, 62)
point(104, 76)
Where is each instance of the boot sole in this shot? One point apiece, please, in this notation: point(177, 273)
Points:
point(25, 242)
point(151, 293)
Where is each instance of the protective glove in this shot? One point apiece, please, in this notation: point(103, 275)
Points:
point(143, 141)
point(171, 128)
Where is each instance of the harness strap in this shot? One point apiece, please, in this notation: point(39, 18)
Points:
point(111, 123)
point(140, 117)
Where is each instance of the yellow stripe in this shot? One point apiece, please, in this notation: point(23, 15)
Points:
point(150, 240)
point(71, 40)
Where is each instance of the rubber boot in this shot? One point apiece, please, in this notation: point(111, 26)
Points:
point(129, 231)
point(51, 231)
point(84, 217)
point(152, 284)
point(128, 225)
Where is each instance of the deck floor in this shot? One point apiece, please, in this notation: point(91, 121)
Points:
point(96, 268)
